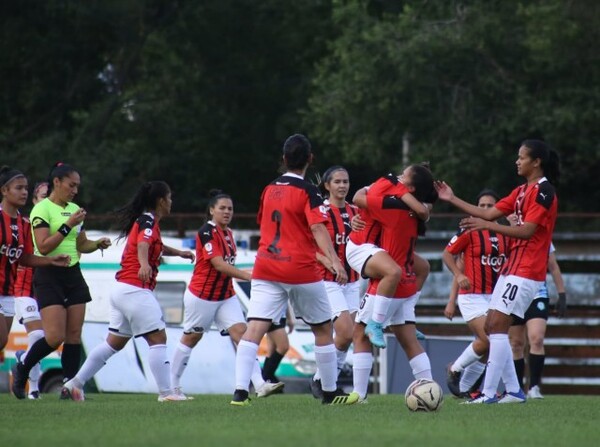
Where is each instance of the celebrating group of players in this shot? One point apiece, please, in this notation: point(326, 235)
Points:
point(311, 255)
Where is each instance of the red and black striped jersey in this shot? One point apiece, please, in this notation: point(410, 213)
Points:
point(144, 230)
point(536, 204)
point(339, 230)
point(484, 254)
point(207, 282)
point(289, 206)
point(372, 231)
point(15, 240)
point(399, 233)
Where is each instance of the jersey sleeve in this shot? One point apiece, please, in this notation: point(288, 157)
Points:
point(539, 207)
point(507, 204)
point(210, 246)
point(458, 243)
point(146, 232)
point(40, 217)
point(27, 238)
point(315, 209)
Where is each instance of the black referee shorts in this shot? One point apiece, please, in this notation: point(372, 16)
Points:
point(537, 309)
point(63, 286)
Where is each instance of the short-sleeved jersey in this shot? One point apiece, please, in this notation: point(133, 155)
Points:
point(399, 233)
point(339, 230)
point(207, 282)
point(372, 231)
point(47, 214)
point(289, 206)
point(144, 230)
point(485, 253)
point(13, 244)
point(537, 204)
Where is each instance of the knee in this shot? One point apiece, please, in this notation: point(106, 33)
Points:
point(191, 340)
point(536, 342)
point(392, 272)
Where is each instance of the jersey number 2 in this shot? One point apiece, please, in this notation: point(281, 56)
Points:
point(276, 217)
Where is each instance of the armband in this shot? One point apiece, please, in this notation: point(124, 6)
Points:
point(64, 229)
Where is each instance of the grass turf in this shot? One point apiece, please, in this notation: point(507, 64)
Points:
point(294, 420)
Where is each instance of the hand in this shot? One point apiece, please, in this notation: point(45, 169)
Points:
point(444, 191)
point(474, 223)
point(340, 273)
point(76, 218)
point(145, 273)
point(357, 223)
point(463, 282)
point(60, 260)
point(103, 243)
point(560, 307)
point(290, 325)
point(449, 310)
point(188, 255)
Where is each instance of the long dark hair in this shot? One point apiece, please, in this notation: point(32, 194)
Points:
point(296, 152)
point(214, 195)
point(548, 156)
point(145, 199)
point(422, 181)
point(59, 170)
point(7, 174)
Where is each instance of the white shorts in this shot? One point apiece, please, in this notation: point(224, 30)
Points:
point(26, 309)
point(513, 294)
point(401, 310)
point(357, 255)
point(269, 298)
point(342, 298)
point(134, 311)
point(199, 314)
point(7, 306)
point(473, 305)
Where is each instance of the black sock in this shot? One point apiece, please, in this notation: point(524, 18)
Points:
point(270, 366)
point(536, 366)
point(37, 352)
point(520, 368)
point(70, 359)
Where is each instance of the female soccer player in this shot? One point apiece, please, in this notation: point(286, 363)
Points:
point(210, 296)
point(343, 298)
point(532, 328)
point(134, 310)
point(397, 209)
point(292, 220)
point(61, 291)
point(535, 205)
point(26, 306)
point(482, 255)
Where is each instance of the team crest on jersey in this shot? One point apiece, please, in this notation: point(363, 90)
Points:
point(148, 232)
point(208, 247)
point(323, 209)
point(453, 240)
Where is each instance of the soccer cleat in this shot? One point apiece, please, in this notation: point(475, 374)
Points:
point(269, 388)
point(315, 388)
point(71, 392)
point(19, 381)
point(240, 399)
point(513, 398)
point(534, 393)
point(374, 331)
point(34, 395)
point(481, 399)
point(177, 391)
point(338, 397)
point(171, 398)
point(453, 381)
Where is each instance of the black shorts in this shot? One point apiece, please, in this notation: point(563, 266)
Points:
point(63, 286)
point(537, 309)
point(280, 325)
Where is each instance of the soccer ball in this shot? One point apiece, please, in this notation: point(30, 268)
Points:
point(424, 395)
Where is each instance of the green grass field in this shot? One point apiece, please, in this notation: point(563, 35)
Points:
point(294, 420)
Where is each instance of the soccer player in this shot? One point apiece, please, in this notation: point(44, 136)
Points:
point(482, 255)
point(292, 220)
point(26, 306)
point(61, 292)
point(210, 296)
point(343, 298)
point(535, 205)
point(533, 329)
point(134, 309)
point(397, 208)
